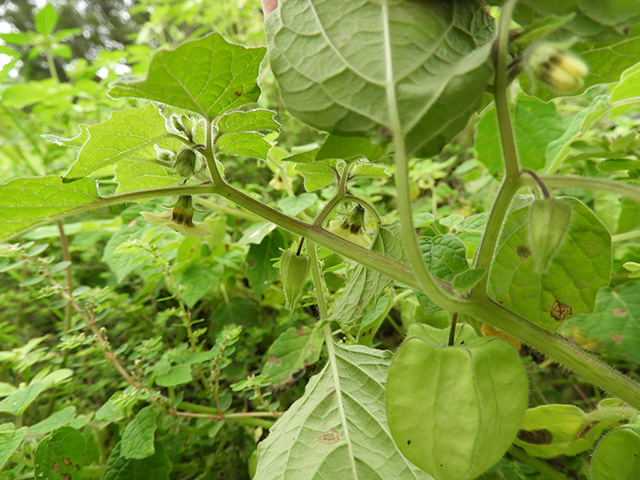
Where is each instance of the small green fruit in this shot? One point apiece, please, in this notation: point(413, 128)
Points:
point(549, 222)
point(294, 270)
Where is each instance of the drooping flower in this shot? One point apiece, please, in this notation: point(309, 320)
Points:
point(180, 218)
point(351, 227)
point(557, 67)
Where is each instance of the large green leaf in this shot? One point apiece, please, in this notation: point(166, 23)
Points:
point(531, 140)
point(137, 438)
point(127, 134)
point(60, 456)
point(293, 350)
point(10, 440)
point(592, 20)
point(137, 176)
point(362, 68)
point(205, 76)
point(341, 420)
point(580, 267)
point(156, 467)
point(615, 321)
point(17, 402)
point(607, 60)
point(365, 286)
point(30, 202)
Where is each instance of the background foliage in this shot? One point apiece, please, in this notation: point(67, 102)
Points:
point(147, 351)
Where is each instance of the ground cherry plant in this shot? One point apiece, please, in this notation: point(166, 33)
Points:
point(541, 96)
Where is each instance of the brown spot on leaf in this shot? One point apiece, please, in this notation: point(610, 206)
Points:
point(330, 436)
point(588, 427)
point(523, 251)
point(56, 467)
point(536, 437)
point(559, 311)
point(66, 461)
point(617, 338)
point(619, 312)
point(275, 360)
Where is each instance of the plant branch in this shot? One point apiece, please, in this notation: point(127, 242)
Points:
point(586, 183)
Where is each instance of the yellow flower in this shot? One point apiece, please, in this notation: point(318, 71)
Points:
point(180, 219)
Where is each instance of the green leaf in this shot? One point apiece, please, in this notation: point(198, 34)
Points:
point(251, 144)
point(628, 87)
point(293, 350)
point(260, 271)
point(248, 120)
point(580, 267)
point(365, 286)
point(177, 375)
point(592, 20)
point(468, 279)
point(295, 205)
point(137, 438)
point(17, 402)
point(60, 456)
point(616, 457)
point(156, 467)
point(76, 141)
point(198, 281)
point(531, 140)
point(133, 176)
point(359, 66)
point(607, 60)
point(615, 321)
point(445, 256)
point(46, 20)
point(17, 38)
point(9, 441)
point(127, 134)
point(369, 170)
point(551, 430)
point(206, 76)
point(341, 419)
point(56, 420)
point(256, 233)
point(316, 175)
point(558, 149)
point(348, 148)
point(41, 200)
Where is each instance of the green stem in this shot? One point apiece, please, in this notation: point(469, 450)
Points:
point(558, 349)
point(491, 233)
point(318, 286)
point(52, 66)
point(511, 181)
point(331, 349)
point(539, 465)
point(427, 283)
point(208, 152)
point(586, 183)
point(622, 237)
point(509, 151)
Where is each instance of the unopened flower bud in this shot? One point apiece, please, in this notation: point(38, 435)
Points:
point(294, 270)
point(183, 124)
point(185, 163)
point(558, 68)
